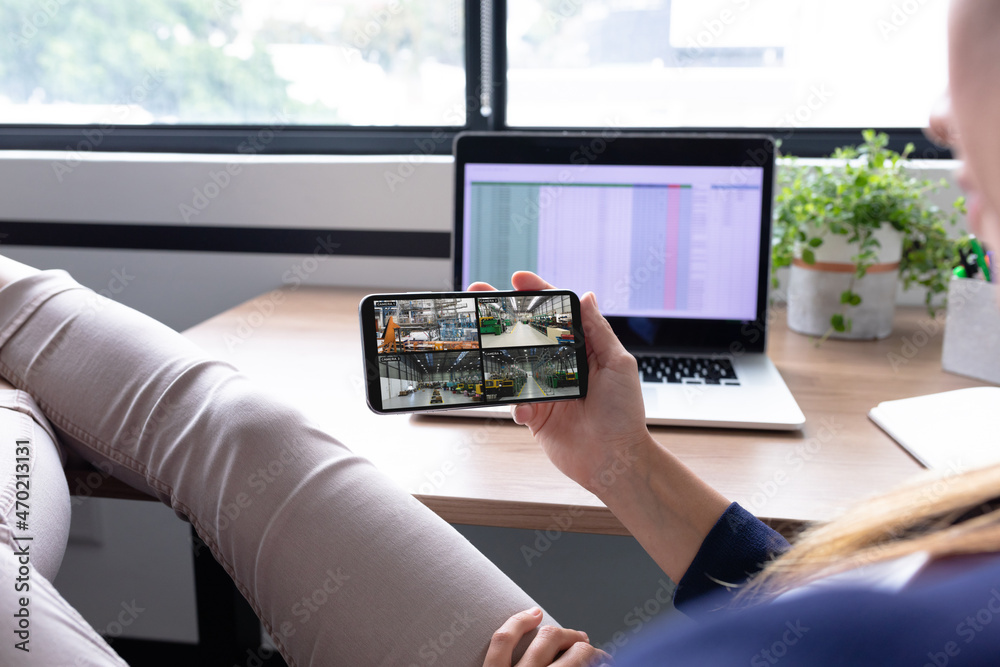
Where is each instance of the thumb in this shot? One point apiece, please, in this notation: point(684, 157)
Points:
point(601, 338)
point(522, 413)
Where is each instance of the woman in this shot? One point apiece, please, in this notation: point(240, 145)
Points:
point(909, 578)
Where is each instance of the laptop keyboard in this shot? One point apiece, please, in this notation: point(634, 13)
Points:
point(687, 370)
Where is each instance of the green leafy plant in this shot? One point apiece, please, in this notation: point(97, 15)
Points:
point(864, 188)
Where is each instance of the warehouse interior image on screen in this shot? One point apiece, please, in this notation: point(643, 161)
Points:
point(463, 351)
point(528, 373)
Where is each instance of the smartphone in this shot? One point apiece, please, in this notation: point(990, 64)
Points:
point(445, 350)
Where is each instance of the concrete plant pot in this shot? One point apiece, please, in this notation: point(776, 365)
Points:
point(814, 290)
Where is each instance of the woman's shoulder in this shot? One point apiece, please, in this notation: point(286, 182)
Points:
point(946, 610)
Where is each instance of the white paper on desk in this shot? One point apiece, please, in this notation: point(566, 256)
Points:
point(954, 429)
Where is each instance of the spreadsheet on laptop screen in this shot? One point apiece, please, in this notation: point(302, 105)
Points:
point(650, 241)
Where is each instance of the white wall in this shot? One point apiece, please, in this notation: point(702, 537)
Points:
point(266, 191)
point(326, 192)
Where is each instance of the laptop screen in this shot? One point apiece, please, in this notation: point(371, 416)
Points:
point(670, 231)
point(649, 240)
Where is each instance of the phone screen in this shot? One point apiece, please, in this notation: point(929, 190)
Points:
point(464, 349)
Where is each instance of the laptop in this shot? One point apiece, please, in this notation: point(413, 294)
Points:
point(672, 233)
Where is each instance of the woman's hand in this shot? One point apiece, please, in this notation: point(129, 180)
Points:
point(601, 442)
point(595, 440)
point(551, 646)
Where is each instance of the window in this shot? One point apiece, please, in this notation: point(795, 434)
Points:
point(232, 62)
point(380, 76)
point(724, 63)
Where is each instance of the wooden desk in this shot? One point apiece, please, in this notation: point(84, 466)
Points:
point(305, 345)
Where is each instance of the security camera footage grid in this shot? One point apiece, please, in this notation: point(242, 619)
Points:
point(469, 351)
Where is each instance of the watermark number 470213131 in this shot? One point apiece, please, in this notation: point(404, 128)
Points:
point(22, 543)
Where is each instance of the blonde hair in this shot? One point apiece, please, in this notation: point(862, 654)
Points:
point(940, 515)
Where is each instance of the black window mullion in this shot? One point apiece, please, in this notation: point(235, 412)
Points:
point(499, 83)
point(474, 120)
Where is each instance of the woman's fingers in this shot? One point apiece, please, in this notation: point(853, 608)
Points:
point(571, 646)
point(521, 280)
point(601, 338)
point(551, 642)
point(526, 280)
point(522, 413)
point(504, 640)
point(582, 654)
point(533, 415)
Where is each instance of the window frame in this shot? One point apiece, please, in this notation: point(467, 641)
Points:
point(356, 140)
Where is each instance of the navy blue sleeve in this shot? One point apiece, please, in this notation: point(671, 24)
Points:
point(952, 621)
point(735, 549)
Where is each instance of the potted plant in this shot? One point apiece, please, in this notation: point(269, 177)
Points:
point(850, 229)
